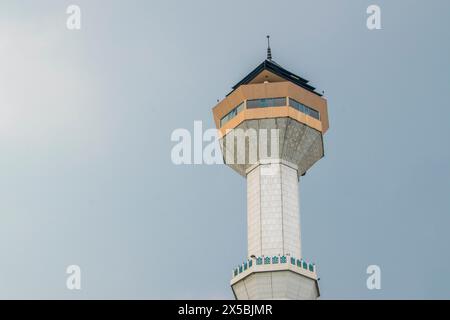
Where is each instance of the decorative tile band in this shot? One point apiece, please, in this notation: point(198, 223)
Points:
point(300, 263)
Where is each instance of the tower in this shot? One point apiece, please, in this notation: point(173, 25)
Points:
point(271, 128)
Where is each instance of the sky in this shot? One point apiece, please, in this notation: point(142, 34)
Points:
point(86, 116)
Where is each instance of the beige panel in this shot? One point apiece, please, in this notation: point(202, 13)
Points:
point(272, 90)
point(268, 113)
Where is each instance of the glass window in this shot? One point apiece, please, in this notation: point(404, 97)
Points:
point(278, 102)
point(313, 113)
point(297, 105)
point(269, 102)
point(240, 107)
point(253, 103)
point(302, 108)
point(233, 113)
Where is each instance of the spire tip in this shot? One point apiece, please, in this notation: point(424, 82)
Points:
point(269, 51)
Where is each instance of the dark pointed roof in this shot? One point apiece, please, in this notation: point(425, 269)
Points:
point(276, 69)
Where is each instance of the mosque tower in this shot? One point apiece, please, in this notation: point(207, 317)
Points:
point(271, 128)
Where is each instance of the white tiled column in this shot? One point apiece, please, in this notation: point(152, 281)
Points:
point(273, 214)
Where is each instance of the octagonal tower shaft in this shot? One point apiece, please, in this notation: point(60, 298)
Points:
point(273, 216)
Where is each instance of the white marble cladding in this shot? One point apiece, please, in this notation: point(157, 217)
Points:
point(276, 285)
point(273, 214)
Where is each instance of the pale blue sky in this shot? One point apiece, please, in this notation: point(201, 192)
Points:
point(85, 121)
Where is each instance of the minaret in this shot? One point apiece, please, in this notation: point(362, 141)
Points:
point(271, 130)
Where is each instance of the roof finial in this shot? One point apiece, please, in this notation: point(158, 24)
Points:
point(269, 51)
